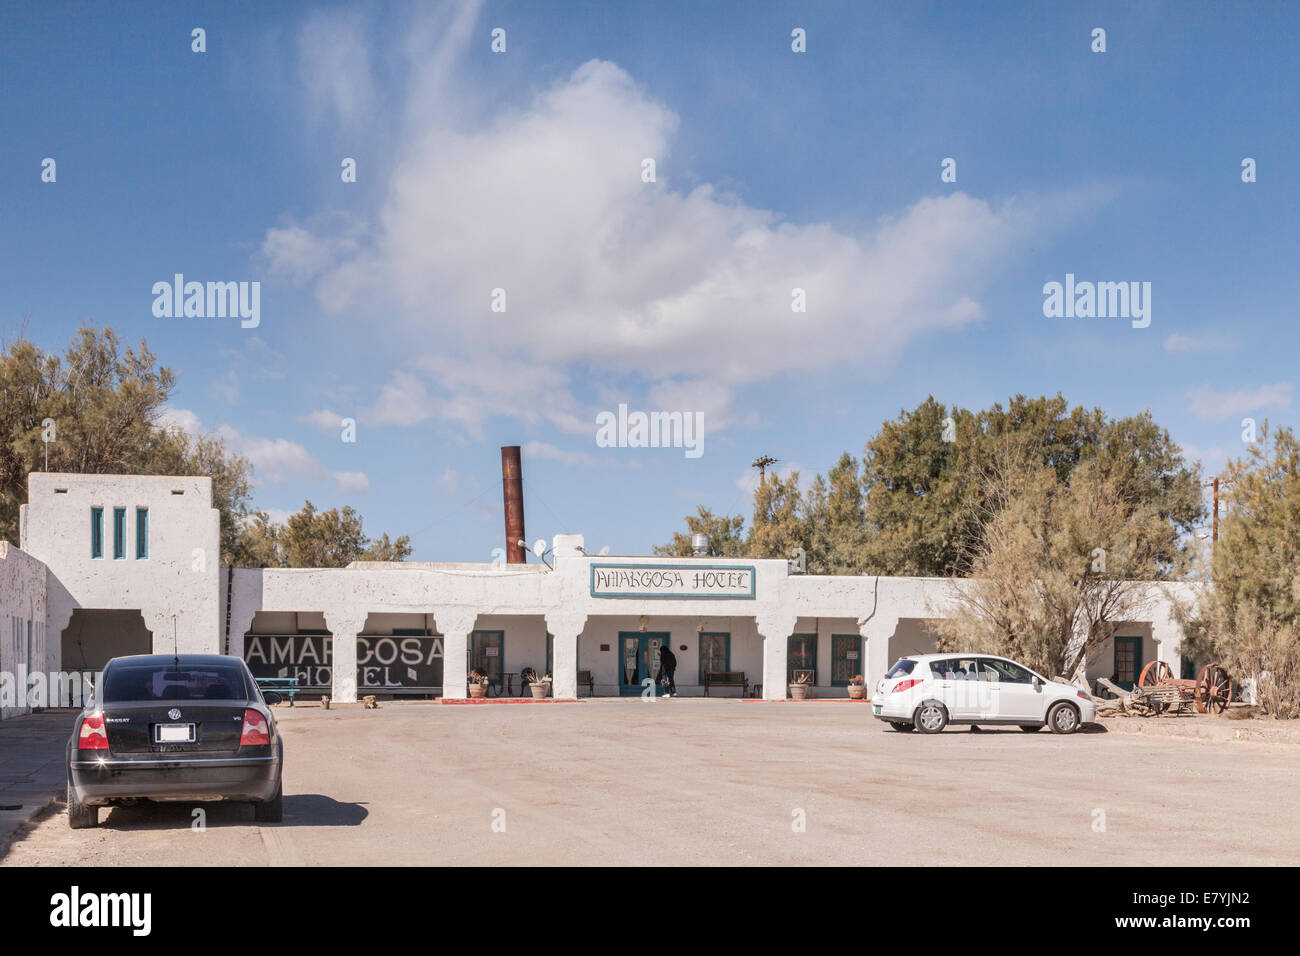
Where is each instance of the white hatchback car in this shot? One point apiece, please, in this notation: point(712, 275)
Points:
point(928, 692)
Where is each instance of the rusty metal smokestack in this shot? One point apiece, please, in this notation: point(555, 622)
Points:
point(512, 489)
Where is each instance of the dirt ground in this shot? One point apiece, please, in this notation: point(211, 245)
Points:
point(682, 782)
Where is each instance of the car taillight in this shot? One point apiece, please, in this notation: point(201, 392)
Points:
point(93, 734)
point(256, 733)
point(903, 685)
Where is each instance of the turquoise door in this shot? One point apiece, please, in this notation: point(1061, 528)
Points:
point(638, 659)
point(1128, 661)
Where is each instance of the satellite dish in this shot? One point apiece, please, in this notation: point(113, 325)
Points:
point(539, 547)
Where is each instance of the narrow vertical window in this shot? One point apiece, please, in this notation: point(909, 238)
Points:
point(119, 532)
point(96, 532)
point(142, 532)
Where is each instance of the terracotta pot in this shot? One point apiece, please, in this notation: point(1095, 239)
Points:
point(477, 691)
point(539, 690)
point(856, 691)
point(799, 691)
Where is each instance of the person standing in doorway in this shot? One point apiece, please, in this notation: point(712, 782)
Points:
point(668, 667)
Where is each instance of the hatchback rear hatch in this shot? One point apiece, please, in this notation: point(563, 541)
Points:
point(904, 669)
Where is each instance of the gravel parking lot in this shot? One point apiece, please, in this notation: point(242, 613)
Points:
point(684, 782)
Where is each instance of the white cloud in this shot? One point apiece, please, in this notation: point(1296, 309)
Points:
point(540, 449)
point(334, 67)
point(602, 270)
point(353, 481)
point(1211, 405)
point(276, 460)
point(178, 418)
point(1179, 342)
point(278, 515)
point(227, 387)
point(402, 401)
point(324, 419)
point(301, 254)
point(280, 461)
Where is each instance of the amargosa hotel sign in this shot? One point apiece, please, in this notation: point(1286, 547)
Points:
point(672, 580)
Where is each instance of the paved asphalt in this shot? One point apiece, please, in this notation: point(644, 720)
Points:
point(691, 781)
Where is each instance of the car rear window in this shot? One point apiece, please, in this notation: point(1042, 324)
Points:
point(149, 682)
point(903, 667)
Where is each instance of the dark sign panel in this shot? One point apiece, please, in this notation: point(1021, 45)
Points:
point(384, 664)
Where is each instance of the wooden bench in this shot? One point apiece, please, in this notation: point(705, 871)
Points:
point(725, 679)
point(279, 685)
point(584, 677)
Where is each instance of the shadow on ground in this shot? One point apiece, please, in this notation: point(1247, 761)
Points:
point(300, 810)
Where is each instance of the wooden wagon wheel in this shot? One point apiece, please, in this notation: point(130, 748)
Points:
point(1156, 672)
point(1213, 690)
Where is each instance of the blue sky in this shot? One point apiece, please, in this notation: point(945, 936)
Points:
point(774, 170)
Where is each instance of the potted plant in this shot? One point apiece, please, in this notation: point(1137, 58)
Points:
point(478, 684)
point(538, 684)
point(801, 687)
point(857, 687)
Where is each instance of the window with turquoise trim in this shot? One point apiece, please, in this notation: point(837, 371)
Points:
point(142, 532)
point(845, 664)
point(801, 656)
point(96, 532)
point(487, 653)
point(119, 532)
point(715, 654)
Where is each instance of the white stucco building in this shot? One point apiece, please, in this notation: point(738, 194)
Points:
point(112, 565)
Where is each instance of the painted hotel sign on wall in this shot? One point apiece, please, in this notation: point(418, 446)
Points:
point(672, 580)
point(399, 662)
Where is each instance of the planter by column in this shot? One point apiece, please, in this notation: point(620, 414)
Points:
point(799, 691)
point(539, 690)
point(856, 691)
point(477, 691)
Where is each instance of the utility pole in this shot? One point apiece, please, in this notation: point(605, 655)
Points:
point(1214, 534)
point(761, 464)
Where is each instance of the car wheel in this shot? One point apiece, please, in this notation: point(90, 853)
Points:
point(902, 726)
point(931, 717)
point(1031, 728)
point(1063, 719)
point(271, 811)
point(80, 816)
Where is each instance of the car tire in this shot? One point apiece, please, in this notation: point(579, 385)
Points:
point(902, 726)
point(270, 811)
point(1031, 728)
point(80, 816)
point(1063, 719)
point(931, 717)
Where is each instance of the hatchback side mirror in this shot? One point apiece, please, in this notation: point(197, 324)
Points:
point(271, 697)
point(1038, 682)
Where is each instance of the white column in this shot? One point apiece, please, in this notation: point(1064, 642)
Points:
point(455, 625)
point(565, 628)
point(344, 626)
point(876, 632)
point(775, 632)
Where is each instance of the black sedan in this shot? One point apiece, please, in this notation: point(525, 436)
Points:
point(191, 728)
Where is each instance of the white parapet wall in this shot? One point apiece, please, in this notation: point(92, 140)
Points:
point(23, 650)
point(164, 564)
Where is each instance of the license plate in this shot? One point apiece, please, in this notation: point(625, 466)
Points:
point(174, 733)
point(875, 708)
